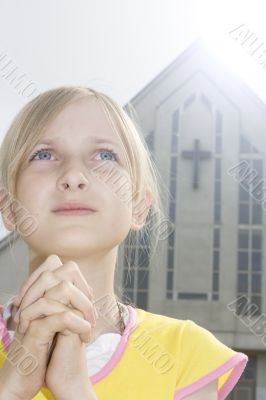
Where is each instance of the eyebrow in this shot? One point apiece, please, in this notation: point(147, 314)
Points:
point(93, 139)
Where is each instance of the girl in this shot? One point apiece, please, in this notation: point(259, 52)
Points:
point(73, 208)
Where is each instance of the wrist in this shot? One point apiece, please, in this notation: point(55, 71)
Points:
point(88, 396)
point(85, 395)
point(6, 395)
point(91, 396)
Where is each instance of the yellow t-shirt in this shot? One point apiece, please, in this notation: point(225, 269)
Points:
point(159, 357)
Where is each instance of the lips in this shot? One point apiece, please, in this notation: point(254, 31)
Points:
point(73, 206)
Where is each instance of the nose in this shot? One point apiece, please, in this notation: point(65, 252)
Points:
point(73, 179)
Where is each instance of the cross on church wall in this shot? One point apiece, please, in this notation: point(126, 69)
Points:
point(196, 155)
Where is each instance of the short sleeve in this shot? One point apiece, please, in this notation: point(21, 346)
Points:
point(204, 359)
point(4, 338)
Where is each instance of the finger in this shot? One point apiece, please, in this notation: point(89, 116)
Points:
point(37, 290)
point(51, 263)
point(68, 271)
point(83, 337)
point(57, 308)
point(44, 329)
point(67, 293)
point(41, 308)
point(64, 293)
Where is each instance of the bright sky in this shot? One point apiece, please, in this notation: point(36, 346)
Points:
point(119, 46)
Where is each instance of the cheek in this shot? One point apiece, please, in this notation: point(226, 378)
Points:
point(116, 202)
point(120, 201)
point(23, 191)
point(31, 194)
point(120, 188)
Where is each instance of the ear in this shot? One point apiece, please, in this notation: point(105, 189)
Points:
point(141, 210)
point(6, 212)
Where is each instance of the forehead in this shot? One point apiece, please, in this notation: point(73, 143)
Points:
point(84, 120)
point(90, 139)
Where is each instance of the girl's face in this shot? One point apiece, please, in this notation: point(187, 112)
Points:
point(63, 172)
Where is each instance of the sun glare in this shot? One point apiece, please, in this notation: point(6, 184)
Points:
point(234, 32)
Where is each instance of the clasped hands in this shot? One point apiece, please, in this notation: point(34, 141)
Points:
point(60, 288)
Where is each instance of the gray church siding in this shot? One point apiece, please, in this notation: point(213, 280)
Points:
point(184, 86)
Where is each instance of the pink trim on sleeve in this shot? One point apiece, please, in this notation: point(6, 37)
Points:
point(4, 334)
point(238, 362)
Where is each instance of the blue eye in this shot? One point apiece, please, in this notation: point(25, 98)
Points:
point(38, 152)
point(49, 151)
point(110, 152)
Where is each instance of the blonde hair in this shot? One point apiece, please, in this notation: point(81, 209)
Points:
point(29, 124)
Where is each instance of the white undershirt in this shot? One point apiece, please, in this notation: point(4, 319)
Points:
point(98, 353)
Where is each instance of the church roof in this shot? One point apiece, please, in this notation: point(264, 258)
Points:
point(199, 59)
